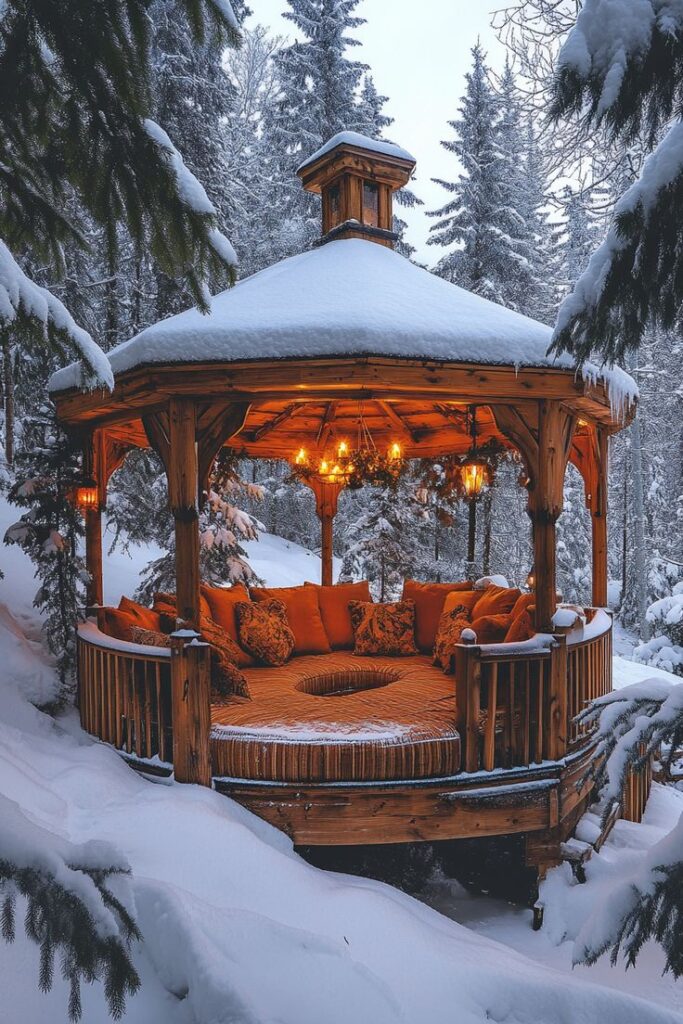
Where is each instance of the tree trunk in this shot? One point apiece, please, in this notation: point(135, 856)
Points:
point(640, 562)
point(8, 399)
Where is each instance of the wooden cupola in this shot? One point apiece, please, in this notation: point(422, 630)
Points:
point(356, 178)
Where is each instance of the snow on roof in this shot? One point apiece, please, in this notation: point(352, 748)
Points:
point(362, 142)
point(350, 297)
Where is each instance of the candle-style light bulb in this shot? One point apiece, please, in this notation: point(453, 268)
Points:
point(395, 451)
point(300, 457)
point(343, 449)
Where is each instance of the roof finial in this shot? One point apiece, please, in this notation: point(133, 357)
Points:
point(356, 177)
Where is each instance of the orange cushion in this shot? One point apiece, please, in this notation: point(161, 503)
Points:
point(334, 610)
point(466, 599)
point(144, 617)
point(119, 624)
point(521, 627)
point(491, 629)
point(303, 616)
point(429, 601)
point(523, 603)
point(497, 601)
point(163, 599)
point(221, 602)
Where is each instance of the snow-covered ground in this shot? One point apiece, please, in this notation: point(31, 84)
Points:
point(238, 928)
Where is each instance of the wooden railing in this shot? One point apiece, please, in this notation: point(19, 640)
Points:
point(125, 694)
point(516, 703)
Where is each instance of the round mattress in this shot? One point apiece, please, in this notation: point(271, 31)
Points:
point(339, 718)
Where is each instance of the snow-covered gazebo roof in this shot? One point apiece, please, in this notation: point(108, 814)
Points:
point(350, 297)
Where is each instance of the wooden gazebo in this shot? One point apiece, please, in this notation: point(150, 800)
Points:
point(286, 359)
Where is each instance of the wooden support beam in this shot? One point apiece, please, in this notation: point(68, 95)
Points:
point(191, 710)
point(326, 424)
point(467, 667)
point(326, 500)
point(267, 428)
point(558, 711)
point(182, 475)
point(216, 425)
point(398, 422)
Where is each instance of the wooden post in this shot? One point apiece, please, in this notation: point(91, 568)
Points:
point(182, 474)
point(467, 665)
point(95, 469)
point(546, 498)
point(557, 740)
point(326, 500)
point(598, 507)
point(191, 708)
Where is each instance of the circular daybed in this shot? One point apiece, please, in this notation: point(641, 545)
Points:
point(331, 718)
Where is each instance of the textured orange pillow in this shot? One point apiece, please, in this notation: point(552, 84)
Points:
point(149, 637)
point(303, 616)
point(491, 629)
point(521, 627)
point(429, 601)
point(264, 631)
point(118, 624)
point(497, 601)
point(451, 624)
point(145, 617)
point(334, 610)
point(387, 629)
point(222, 602)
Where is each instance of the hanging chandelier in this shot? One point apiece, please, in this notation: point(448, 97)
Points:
point(353, 466)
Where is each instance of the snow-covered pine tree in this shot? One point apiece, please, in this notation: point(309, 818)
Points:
point(47, 472)
point(636, 723)
point(482, 225)
point(318, 98)
point(381, 542)
point(621, 68)
point(78, 907)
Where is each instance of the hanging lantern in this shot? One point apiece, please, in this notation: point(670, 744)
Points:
point(87, 495)
point(476, 476)
point(531, 580)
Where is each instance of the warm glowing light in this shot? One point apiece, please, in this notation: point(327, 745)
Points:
point(301, 457)
point(336, 470)
point(394, 452)
point(474, 478)
point(87, 496)
point(324, 466)
point(582, 423)
point(531, 580)
point(343, 449)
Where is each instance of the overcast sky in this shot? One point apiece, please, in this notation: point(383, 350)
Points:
point(418, 53)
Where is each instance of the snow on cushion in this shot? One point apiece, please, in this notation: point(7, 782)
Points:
point(385, 629)
point(497, 601)
point(143, 616)
point(264, 631)
point(303, 616)
point(334, 610)
point(118, 624)
point(490, 581)
point(453, 620)
point(491, 629)
point(429, 600)
point(222, 602)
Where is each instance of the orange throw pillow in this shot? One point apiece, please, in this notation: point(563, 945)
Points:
point(222, 602)
point(334, 610)
point(163, 599)
point(118, 624)
point(466, 599)
point(497, 601)
point(524, 602)
point(521, 628)
point(264, 631)
point(145, 617)
point(491, 629)
point(387, 629)
point(303, 616)
point(429, 601)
